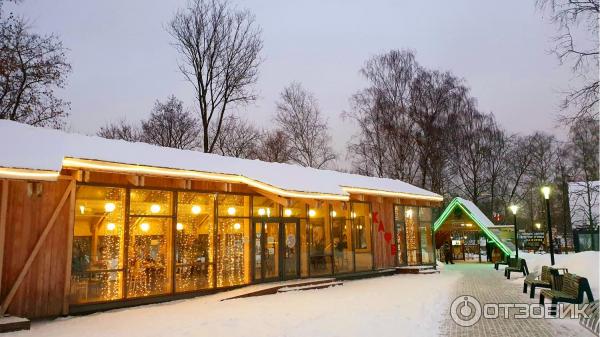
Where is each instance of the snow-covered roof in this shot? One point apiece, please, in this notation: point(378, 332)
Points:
point(475, 214)
point(33, 148)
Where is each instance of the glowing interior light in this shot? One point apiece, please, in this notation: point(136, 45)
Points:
point(144, 227)
point(287, 212)
point(359, 226)
point(196, 209)
point(81, 209)
point(261, 211)
point(109, 207)
point(333, 214)
point(469, 224)
point(409, 213)
point(268, 212)
point(237, 226)
point(231, 211)
point(312, 212)
point(110, 226)
point(155, 208)
point(538, 225)
point(352, 215)
point(179, 226)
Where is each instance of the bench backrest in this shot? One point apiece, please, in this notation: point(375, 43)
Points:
point(546, 274)
point(575, 286)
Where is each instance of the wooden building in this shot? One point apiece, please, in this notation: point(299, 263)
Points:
point(88, 223)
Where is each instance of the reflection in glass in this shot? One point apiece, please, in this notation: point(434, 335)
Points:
point(361, 217)
point(342, 240)
point(149, 256)
point(426, 238)
point(194, 241)
point(98, 239)
point(413, 253)
point(320, 242)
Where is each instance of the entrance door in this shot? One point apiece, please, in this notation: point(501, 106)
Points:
point(276, 246)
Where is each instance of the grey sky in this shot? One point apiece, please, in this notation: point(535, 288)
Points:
point(122, 58)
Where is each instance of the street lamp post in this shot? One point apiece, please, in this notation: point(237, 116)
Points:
point(546, 192)
point(514, 209)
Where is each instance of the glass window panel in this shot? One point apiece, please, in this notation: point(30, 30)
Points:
point(342, 239)
point(320, 241)
point(98, 244)
point(232, 205)
point(304, 248)
point(195, 229)
point(425, 214)
point(264, 208)
point(150, 202)
point(149, 256)
point(361, 216)
point(413, 252)
point(233, 252)
point(400, 234)
point(296, 209)
point(426, 243)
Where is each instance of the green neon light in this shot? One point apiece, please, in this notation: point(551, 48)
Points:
point(487, 232)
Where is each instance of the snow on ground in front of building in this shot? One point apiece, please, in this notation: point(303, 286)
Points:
point(584, 264)
point(396, 305)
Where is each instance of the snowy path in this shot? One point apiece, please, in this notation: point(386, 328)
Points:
point(490, 286)
point(400, 305)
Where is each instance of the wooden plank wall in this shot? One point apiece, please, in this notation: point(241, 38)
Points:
point(41, 293)
point(383, 232)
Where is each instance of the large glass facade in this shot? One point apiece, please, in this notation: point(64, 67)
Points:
point(320, 241)
point(414, 224)
point(98, 244)
point(194, 241)
point(138, 242)
point(363, 250)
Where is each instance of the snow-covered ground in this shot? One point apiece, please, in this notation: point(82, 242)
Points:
point(397, 305)
point(584, 264)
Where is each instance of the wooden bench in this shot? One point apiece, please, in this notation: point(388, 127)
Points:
point(515, 265)
point(572, 291)
point(547, 279)
point(506, 261)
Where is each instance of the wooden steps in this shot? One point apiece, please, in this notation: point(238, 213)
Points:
point(417, 270)
point(11, 323)
point(291, 286)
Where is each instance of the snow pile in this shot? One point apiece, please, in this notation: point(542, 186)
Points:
point(397, 305)
point(584, 264)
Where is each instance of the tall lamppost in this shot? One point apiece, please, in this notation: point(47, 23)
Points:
point(514, 209)
point(546, 192)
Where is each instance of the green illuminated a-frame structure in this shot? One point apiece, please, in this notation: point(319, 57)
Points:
point(477, 216)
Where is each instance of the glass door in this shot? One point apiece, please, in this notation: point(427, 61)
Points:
point(276, 250)
point(291, 256)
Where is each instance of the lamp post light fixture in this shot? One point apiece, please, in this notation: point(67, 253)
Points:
point(546, 193)
point(514, 209)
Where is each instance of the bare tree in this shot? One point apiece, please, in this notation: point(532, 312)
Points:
point(496, 162)
point(274, 146)
point(219, 46)
point(582, 54)
point(299, 116)
point(120, 130)
point(171, 125)
point(32, 67)
point(585, 148)
point(238, 138)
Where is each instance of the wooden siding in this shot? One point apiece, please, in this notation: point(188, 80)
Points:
point(29, 208)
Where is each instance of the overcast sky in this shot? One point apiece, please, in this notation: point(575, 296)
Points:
point(123, 61)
